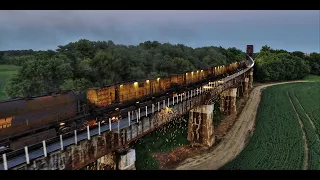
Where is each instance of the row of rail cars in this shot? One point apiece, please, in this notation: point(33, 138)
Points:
point(27, 121)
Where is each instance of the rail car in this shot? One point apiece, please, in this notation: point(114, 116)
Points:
point(130, 92)
point(26, 121)
point(34, 119)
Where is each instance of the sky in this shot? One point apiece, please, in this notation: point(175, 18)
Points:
point(292, 30)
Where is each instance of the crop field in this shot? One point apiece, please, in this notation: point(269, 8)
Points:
point(287, 130)
point(6, 71)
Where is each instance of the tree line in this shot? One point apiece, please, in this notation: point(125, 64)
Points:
point(281, 65)
point(84, 64)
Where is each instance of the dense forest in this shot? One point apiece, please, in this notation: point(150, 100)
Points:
point(281, 65)
point(83, 64)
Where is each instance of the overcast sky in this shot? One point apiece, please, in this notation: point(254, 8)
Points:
point(41, 30)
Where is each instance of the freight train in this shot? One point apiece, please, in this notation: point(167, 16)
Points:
point(30, 120)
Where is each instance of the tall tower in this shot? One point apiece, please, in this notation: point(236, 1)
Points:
point(250, 51)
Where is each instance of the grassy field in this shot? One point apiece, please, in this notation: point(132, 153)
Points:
point(312, 78)
point(6, 71)
point(170, 136)
point(277, 142)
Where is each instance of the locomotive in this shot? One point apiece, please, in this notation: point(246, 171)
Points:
point(30, 120)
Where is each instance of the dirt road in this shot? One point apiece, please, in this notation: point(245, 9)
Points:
point(234, 141)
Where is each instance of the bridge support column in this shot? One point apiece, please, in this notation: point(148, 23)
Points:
point(246, 85)
point(233, 98)
point(222, 103)
point(201, 125)
point(240, 89)
point(238, 92)
point(227, 106)
point(127, 161)
point(228, 101)
point(251, 78)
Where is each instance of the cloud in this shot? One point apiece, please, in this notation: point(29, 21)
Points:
point(48, 29)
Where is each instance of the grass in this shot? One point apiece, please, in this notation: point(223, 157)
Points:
point(164, 139)
point(6, 71)
point(277, 142)
point(312, 78)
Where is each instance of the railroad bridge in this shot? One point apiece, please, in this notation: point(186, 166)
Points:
point(106, 146)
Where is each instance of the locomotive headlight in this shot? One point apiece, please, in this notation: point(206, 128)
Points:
point(61, 124)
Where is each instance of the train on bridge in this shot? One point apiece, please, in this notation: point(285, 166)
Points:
point(26, 121)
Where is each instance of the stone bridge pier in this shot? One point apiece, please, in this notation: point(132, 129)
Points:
point(243, 87)
point(251, 78)
point(228, 101)
point(201, 125)
point(246, 88)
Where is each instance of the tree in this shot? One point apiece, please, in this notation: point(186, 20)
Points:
point(314, 61)
point(265, 48)
point(82, 64)
point(299, 54)
point(39, 76)
point(279, 65)
point(76, 85)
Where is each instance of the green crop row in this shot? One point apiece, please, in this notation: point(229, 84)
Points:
point(277, 142)
point(304, 110)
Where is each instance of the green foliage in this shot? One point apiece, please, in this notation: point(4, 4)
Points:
point(306, 101)
point(102, 62)
point(79, 64)
point(312, 78)
point(76, 85)
point(6, 72)
point(164, 139)
point(280, 65)
point(277, 142)
point(314, 61)
point(39, 76)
